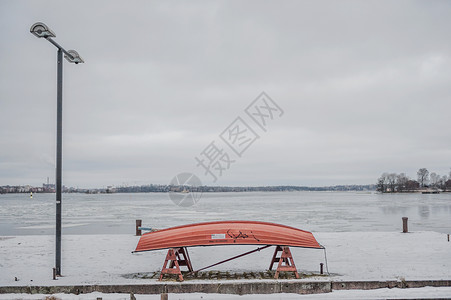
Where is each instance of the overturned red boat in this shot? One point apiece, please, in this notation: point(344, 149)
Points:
point(227, 233)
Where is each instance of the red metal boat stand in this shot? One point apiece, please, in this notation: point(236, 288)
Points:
point(176, 258)
point(285, 261)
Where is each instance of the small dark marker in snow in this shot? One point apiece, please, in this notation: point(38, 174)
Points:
point(16, 279)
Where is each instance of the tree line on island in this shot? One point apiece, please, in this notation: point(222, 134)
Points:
point(159, 188)
point(401, 183)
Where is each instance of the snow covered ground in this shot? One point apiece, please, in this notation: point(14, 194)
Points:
point(107, 259)
point(423, 293)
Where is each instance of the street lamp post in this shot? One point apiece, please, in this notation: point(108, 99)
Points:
point(42, 31)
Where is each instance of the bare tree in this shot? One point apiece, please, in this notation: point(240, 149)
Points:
point(442, 182)
point(391, 178)
point(382, 183)
point(434, 179)
point(401, 182)
point(423, 176)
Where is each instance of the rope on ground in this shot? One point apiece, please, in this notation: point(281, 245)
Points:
point(325, 259)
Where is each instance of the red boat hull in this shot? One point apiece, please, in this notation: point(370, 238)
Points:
point(227, 233)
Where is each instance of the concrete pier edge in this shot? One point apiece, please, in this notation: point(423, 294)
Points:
point(220, 287)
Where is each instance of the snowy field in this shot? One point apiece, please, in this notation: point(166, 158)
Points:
point(107, 259)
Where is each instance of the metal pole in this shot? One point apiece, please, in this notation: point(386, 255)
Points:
point(59, 47)
point(59, 136)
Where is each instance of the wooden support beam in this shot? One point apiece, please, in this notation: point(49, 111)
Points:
point(176, 257)
point(285, 261)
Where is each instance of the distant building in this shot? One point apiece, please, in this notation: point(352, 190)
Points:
point(48, 188)
point(110, 189)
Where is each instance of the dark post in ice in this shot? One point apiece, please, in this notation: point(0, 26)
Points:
point(404, 224)
point(138, 225)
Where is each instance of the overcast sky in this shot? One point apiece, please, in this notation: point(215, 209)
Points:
point(363, 88)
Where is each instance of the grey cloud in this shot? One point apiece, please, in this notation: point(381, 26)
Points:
point(364, 86)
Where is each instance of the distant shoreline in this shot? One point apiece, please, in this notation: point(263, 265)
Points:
point(204, 189)
point(212, 189)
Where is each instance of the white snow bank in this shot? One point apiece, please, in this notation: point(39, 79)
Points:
point(105, 259)
point(414, 293)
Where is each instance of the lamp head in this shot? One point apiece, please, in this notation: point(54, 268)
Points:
point(76, 58)
point(41, 30)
